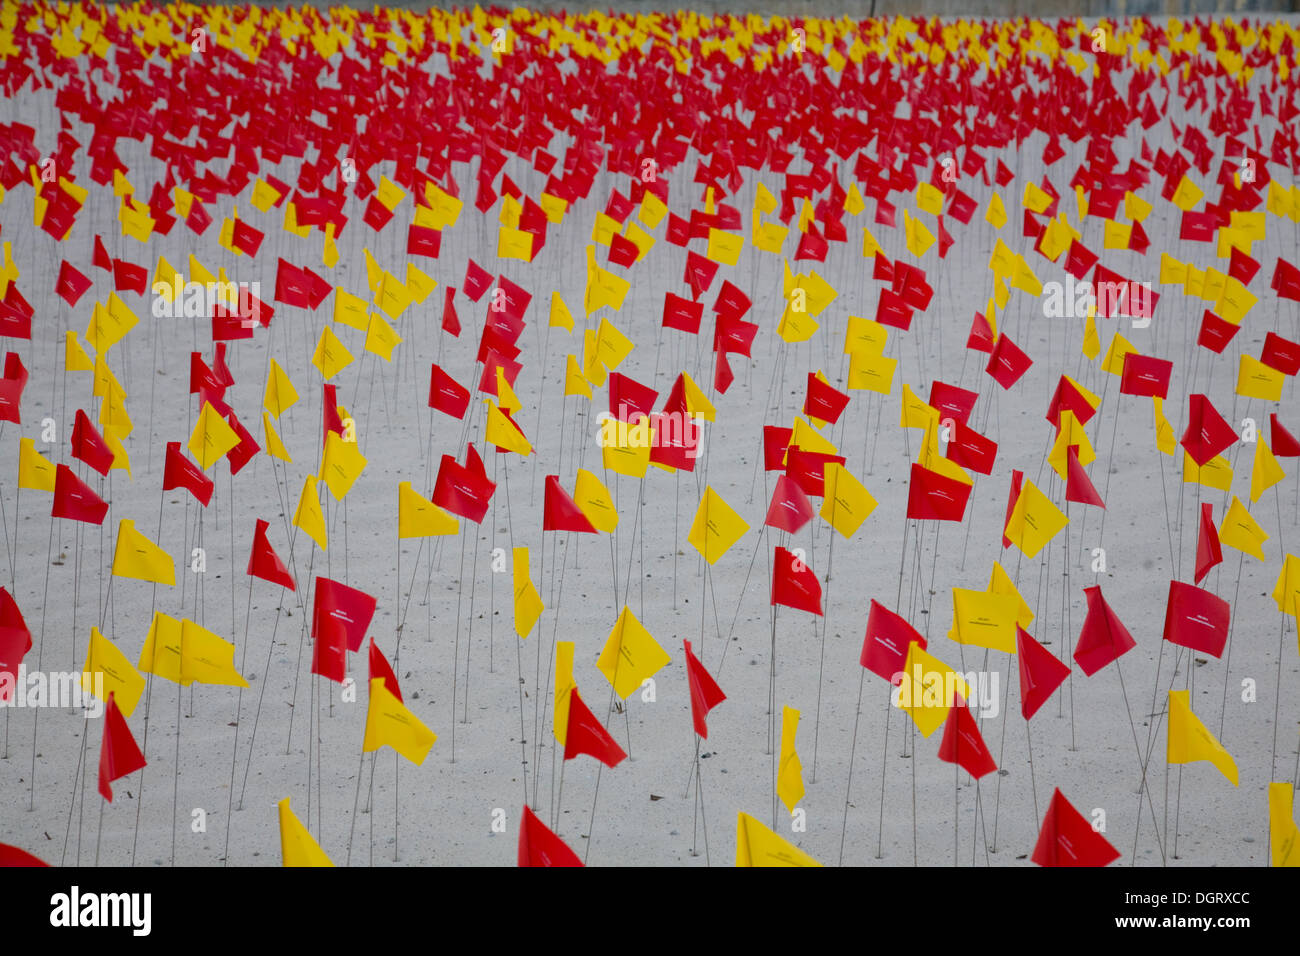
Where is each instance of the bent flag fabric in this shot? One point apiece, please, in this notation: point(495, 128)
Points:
point(705, 692)
point(119, 677)
point(1040, 673)
point(118, 753)
point(538, 846)
point(135, 556)
point(756, 845)
point(1104, 637)
point(1067, 838)
point(297, 847)
point(789, 774)
point(585, 735)
point(1189, 741)
point(389, 723)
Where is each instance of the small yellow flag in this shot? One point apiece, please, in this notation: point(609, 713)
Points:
point(1215, 473)
point(418, 517)
point(716, 526)
point(297, 848)
point(1286, 593)
point(274, 447)
point(1189, 741)
point(847, 503)
point(389, 723)
point(342, 465)
point(280, 393)
point(756, 845)
point(1257, 380)
point(574, 383)
point(631, 655)
point(35, 471)
point(564, 686)
point(789, 774)
point(1239, 530)
point(928, 689)
point(985, 619)
point(1265, 472)
point(135, 556)
point(594, 501)
point(528, 603)
point(561, 317)
point(108, 665)
point(503, 433)
point(75, 358)
point(1284, 835)
point(308, 515)
point(331, 357)
point(1034, 520)
point(1000, 583)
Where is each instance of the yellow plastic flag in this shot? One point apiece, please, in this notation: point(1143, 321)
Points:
point(804, 436)
point(1114, 360)
point(1239, 530)
point(564, 687)
point(1286, 593)
point(186, 653)
point(297, 848)
point(871, 372)
point(1071, 433)
point(593, 500)
point(603, 287)
point(697, 403)
point(212, 437)
point(506, 394)
point(329, 249)
point(418, 517)
point(724, 247)
point(280, 393)
point(1166, 441)
point(914, 413)
point(503, 434)
point(631, 655)
point(652, 210)
point(274, 446)
point(1189, 741)
point(1172, 271)
point(199, 273)
point(770, 237)
point(342, 465)
point(929, 199)
point(1187, 195)
point(1284, 834)
point(389, 723)
point(1215, 473)
point(393, 296)
point(1000, 583)
point(75, 358)
point(330, 357)
point(847, 502)
point(796, 326)
point(528, 603)
point(789, 774)
point(1035, 199)
point(716, 526)
point(865, 335)
point(612, 346)
point(756, 845)
point(996, 213)
point(35, 471)
point(121, 461)
point(514, 244)
point(919, 238)
point(350, 310)
point(853, 201)
point(985, 619)
point(1257, 380)
point(381, 338)
point(574, 383)
point(308, 515)
point(1034, 520)
point(605, 228)
point(108, 670)
point(1265, 472)
point(561, 317)
point(389, 193)
point(764, 201)
point(928, 689)
point(625, 449)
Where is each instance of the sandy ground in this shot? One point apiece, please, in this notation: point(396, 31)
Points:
point(461, 667)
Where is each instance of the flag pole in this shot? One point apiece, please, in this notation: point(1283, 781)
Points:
point(848, 790)
point(239, 701)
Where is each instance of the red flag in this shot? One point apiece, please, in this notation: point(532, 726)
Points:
point(794, 584)
point(1078, 486)
point(379, 667)
point(202, 377)
point(1104, 638)
point(118, 753)
point(180, 472)
point(1016, 478)
point(1040, 673)
point(331, 422)
point(538, 846)
point(346, 606)
point(1215, 332)
point(128, 277)
point(246, 450)
point(101, 258)
point(790, 508)
point(585, 735)
point(932, 496)
point(1207, 433)
point(264, 563)
point(292, 287)
point(808, 468)
point(1284, 443)
point(15, 641)
point(962, 743)
point(981, 334)
point(477, 281)
point(1281, 354)
point(884, 648)
point(824, 401)
point(423, 241)
point(775, 442)
point(629, 400)
point(1069, 399)
point(1145, 375)
point(12, 856)
point(88, 445)
point(1208, 552)
point(560, 512)
point(1196, 618)
point(1007, 362)
point(447, 395)
point(1068, 839)
point(245, 238)
point(11, 389)
point(682, 314)
point(75, 500)
point(970, 449)
point(723, 376)
point(462, 490)
point(952, 402)
point(329, 651)
point(71, 284)
point(450, 320)
point(705, 692)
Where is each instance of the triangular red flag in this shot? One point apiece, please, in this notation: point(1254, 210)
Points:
point(538, 846)
point(962, 743)
point(71, 284)
point(1104, 638)
point(1284, 444)
point(1017, 478)
point(380, 668)
point(264, 563)
point(1196, 618)
point(88, 445)
point(74, 499)
point(1207, 433)
point(15, 642)
point(1068, 839)
point(1041, 672)
point(1078, 486)
point(1208, 551)
point(118, 753)
point(101, 257)
point(794, 584)
point(461, 490)
point(790, 509)
point(884, 648)
point(705, 692)
point(560, 512)
point(13, 856)
point(180, 472)
point(585, 735)
point(346, 606)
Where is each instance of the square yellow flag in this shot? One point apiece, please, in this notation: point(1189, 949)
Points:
point(331, 357)
point(984, 619)
point(631, 655)
point(212, 437)
point(1257, 380)
point(108, 670)
point(847, 502)
point(1034, 520)
point(389, 723)
point(342, 465)
point(716, 526)
point(927, 689)
point(724, 247)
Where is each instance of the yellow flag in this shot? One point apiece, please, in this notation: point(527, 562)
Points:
point(789, 774)
point(419, 285)
point(418, 517)
point(770, 237)
point(1265, 472)
point(342, 465)
point(1114, 360)
point(612, 346)
point(297, 848)
point(135, 556)
point(915, 413)
point(35, 471)
point(308, 516)
point(865, 335)
point(330, 357)
point(75, 358)
point(108, 670)
point(847, 502)
point(574, 383)
point(756, 845)
point(625, 449)
point(764, 201)
point(393, 297)
point(1166, 441)
point(1000, 583)
point(528, 603)
point(184, 652)
point(1189, 741)
point(1239, 530)
point(929, 199)
point(697, 403)
point(561, 317)
point(1036, 200)
point(389, 723)
point(724, 247)
point(984, 619)
point(1215, 473)
point(919, 238)
point(874, 373)
point(630, 655)
point(564, 686)
point(381, 338)
point(350, 310)
point(1071, 433)
point(593, 500)
point(1257, 380)
point(1034, 520)
point(928, 689)
point(996, 214)
point(806, 437)
point(716, 526)
point(1284, 835)
point(274, 447)
point(514, 244)
point(503, 434)
point(603, 287)
point(280, 393)
point(652, 210)
point(1187, 195)
point(1286, 593)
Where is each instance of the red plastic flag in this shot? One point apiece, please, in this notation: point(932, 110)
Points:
point(118, 753)
point(538, 846)
point(1208, 551)
point(1284, 443)
point(1007, 362)
point(794, 584)
point(824, 401)
point(15, 642)
point(1207, 433)
point(884, 648)
point(962, 743)
point(329, 651)
point(1017, 477)
point(1281, 354)
point(629, 400)
point(180, 472)
point(953, 402)
point(330, 419)
point(1104, 637)
point(477, 281)
point(462, 490)
point(1145, 375)
point(1040, 673)
point(380, 668)
point(246, 450)
point(790, 508)
point(1069, 399)
point(682, 314)
point(88, 445)
point(1196, 618)
point(450, 320)
point(74, 499)
point(345, 606)
point(101, 258)
point(264, 563)
point(980, 338)
point(560, 512)
point(13, 856)
point(71, 284)
point(970, 449)
point(447, 395)
point(705, 692)
point(935, 497)
point(1068, 839)
point(1215, 333)
point(1078, 486)
point(585, 735)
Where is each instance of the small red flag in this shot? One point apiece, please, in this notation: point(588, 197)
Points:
point(447, 395)
point(790, 508)
point(347, 607)
point(794, 584)
point(705, 692)
point(935, 497)
point(380, 668)
point(1281, 354)
point(970, 449)
point(101, 257)
point(330, 419)
point(629, 400)
point(245, 238)
point(538, 846)
point(808, 468)
point(560, 512)
point(71, 284)
point(1068, 839)
point(1284, 443)
point(1145, 375)
point(775, 442)
point(1067, 398)
point(329, 651)
point(952, 402)
point(88, 445)
point(1104, 637)
point(682, 314)
point(824, 401)
point(1007, 362)
point(450, 320)
point(246, 450)
point(1040, 673)
point(74, 499)
point(884, 648)
point(1208, 551)
point(1207, 433)
point(423, 241)
point(980, 338)
point(1016, 478)
point(180, 472)
point(462, 490)
point(962, 743)
point(477, 281)
point(1215, 333)
point(585, 735)
point(1078, 486)
point(13, 856)
point(1196, 618)
point(118, 753)
point(264, 563)
point(15, 640)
